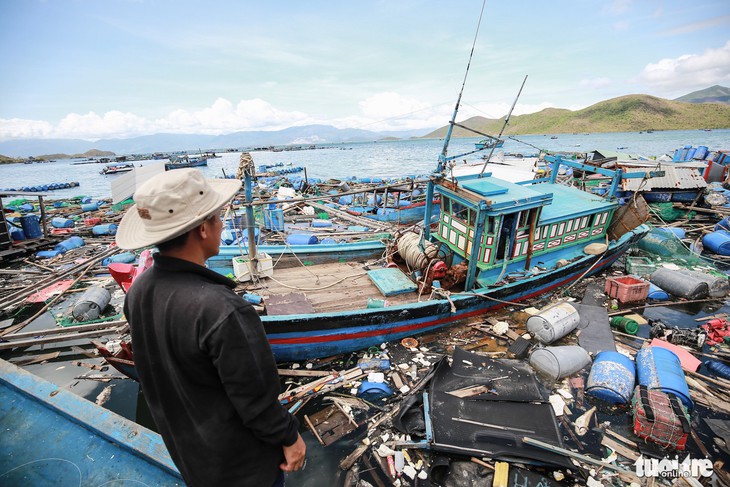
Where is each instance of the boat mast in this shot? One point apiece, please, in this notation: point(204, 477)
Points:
point(443, 160)
point(246, 166)
point(442, 157)
point(504, 125)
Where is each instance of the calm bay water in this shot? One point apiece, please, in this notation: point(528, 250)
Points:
point(368, 159)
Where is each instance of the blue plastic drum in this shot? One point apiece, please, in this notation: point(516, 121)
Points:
point(659, 368)
point(612, 378)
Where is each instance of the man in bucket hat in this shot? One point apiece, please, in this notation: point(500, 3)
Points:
point(200, 350)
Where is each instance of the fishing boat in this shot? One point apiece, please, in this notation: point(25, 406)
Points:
point(52, 435)
point(117, 167)
point(179, 162)
point(489, 143)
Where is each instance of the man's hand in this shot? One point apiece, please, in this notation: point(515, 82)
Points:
point(294, 455)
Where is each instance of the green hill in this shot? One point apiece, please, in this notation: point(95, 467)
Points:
point(713, 94)
point(630, 113)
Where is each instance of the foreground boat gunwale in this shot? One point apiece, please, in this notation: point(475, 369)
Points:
point(119, 432)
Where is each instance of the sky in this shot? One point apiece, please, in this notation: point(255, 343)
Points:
point(94, 69)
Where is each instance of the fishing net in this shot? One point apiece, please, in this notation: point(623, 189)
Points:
point(668, 213)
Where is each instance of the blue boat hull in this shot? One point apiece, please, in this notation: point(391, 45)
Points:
point(54, 437)
point(303, 336)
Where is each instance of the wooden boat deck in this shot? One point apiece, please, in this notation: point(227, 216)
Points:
point(331, 287)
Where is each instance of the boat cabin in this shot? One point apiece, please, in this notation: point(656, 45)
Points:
point(492, 223)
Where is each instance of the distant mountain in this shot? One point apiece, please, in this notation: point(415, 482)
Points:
point(304, 135)
point(631, 113)
point(713, 94)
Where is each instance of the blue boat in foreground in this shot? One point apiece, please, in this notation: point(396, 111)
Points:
point(53, 437)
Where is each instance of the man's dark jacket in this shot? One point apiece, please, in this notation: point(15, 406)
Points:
point(208, 375)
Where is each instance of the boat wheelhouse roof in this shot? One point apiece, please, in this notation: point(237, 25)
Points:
point(573, 203)
point(501, 196)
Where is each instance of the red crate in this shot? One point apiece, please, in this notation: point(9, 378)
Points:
point(627, 289)
point(660, 418)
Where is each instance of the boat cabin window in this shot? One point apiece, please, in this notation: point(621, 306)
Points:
point(459, 211)
point(508, 225)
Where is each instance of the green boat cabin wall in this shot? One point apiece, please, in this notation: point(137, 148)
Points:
point(459, 216)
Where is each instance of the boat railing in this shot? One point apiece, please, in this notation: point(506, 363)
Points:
point(616, 175)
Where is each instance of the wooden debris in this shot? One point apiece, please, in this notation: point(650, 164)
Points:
point(469, 391)
point(620, 449)
point(30, 360)
point(350, 459)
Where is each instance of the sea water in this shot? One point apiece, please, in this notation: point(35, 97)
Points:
point(381, 159)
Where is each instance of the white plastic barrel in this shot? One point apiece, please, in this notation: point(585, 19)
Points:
point(90, 305)
point(553, 322)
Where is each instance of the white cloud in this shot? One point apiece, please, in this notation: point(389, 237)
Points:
point(219, 118)
point(18, 128)
point(379, 112)
point(689, 71)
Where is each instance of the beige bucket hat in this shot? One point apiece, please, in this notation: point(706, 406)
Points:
point(170, 204)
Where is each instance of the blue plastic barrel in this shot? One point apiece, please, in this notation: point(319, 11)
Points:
point(717, 242)
point(612, 377)
point(723, 224)
point(252, 298)
point(26, 207)
point(328, 241)
point(58, 204)
point(69, 243)
point(59, 222)
point(16, 234)
point(85, 199)
point(106, 229)
point(655, 292)
point(90, 206)
point(31, 226)
point(718, 368)
point(301, 239)
point(659, 368)
point(321, 223)
point(123, 258)
point(228, 236)
point(274, 219)
point(47, 254)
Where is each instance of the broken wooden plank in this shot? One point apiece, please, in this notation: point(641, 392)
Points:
point(303, 373)
point(350, 459)
point(30, 360)
point(56, 339)
point(313, 429)
point(469, 391)
point(620, 449)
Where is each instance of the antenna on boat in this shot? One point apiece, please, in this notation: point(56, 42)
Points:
point(442, 157)
point(504, 125)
